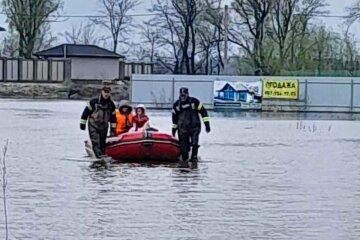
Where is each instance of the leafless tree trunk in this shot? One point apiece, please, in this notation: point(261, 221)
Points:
point(151, 38)
point(215, 16)
point(178, 24)
point(187, 10)
point(253, 15)
point(282, 25)
point(118, 19)
point(170, 33)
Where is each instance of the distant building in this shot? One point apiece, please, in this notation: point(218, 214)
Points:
point(88, 62)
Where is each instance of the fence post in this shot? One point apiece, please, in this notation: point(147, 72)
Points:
point(49, 77)
point(131, 84)
point(306, 94)
point(352, 95)
point(121, 70)
point(35, 68)
point(173, 89)
point(5, 69)
point(142, 68)
point(20, 69)
point(68, 70)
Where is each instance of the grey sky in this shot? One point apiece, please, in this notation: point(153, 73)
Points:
point(89, 7)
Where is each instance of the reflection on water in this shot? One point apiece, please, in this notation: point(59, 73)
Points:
point(234, 113)
point(259, 177)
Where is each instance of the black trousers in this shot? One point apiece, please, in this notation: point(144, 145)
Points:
point(98, 140)
point(188, 141)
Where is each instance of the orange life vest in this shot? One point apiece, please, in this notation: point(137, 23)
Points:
point(123, 122)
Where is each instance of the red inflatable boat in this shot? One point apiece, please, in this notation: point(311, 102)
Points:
point(143, 146)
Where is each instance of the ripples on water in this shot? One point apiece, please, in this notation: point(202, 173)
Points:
point(258, 178)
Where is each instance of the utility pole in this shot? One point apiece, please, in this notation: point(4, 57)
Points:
point(226, 33)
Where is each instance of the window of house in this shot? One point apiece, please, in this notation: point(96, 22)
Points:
point(229, 93)
point(242, 96)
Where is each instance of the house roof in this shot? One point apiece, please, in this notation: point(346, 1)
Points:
point(78, 50)
point(237, 86)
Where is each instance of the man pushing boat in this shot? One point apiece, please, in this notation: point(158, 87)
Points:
point(98, 113)
point(185, 119)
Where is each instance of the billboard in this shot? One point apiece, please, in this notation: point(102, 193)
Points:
point(280, 89)
point(240, 93)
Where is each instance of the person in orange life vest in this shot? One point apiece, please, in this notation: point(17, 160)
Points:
point(124, 117)
point(140, 119)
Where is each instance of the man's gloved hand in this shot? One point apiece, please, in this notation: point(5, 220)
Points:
point(207, 127)
point(173, 131)
point(82, 126)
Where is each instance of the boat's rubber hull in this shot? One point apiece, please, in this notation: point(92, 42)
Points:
point(143, 146)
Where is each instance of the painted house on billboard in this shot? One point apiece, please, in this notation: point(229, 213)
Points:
point(234, 92)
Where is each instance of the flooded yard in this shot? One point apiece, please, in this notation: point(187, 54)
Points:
point(261, 176)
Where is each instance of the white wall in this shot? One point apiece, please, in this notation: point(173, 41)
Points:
point(94, 69)
point(162, 90)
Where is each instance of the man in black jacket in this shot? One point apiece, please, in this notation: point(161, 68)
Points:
point(98, 113)
point(185, 118)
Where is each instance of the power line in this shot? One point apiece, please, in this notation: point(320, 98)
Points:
point(93, 16)
point(160, 14)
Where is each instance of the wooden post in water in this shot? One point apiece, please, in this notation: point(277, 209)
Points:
point(4, 185)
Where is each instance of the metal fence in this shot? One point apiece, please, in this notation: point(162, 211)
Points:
point(31, 70)
point(136, 68)
point(329, 94)
point(51, 70)
point(160, 91)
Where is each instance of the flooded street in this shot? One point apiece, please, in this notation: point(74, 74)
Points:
point(258, 178)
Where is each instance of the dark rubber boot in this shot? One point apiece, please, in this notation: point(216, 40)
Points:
point(184, 161)
point(183, 164)
point(194, 153)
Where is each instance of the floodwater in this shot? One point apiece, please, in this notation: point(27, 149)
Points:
point(258, 178)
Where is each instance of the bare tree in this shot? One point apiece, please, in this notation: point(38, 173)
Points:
point(118, 19)
point(322, 40)
point(353, 12)
point(178, 25)
point(307, 10)
point(83, 34)
point(151, 37)
point(27, 17)
point(170, 32)
point(253, 16)
point(188, 12)
point(45, 38)
point(349, 53)
point(211, 35)
point(11, 45)
point(283, 23)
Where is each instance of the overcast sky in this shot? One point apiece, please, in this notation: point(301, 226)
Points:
point(89, 7)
